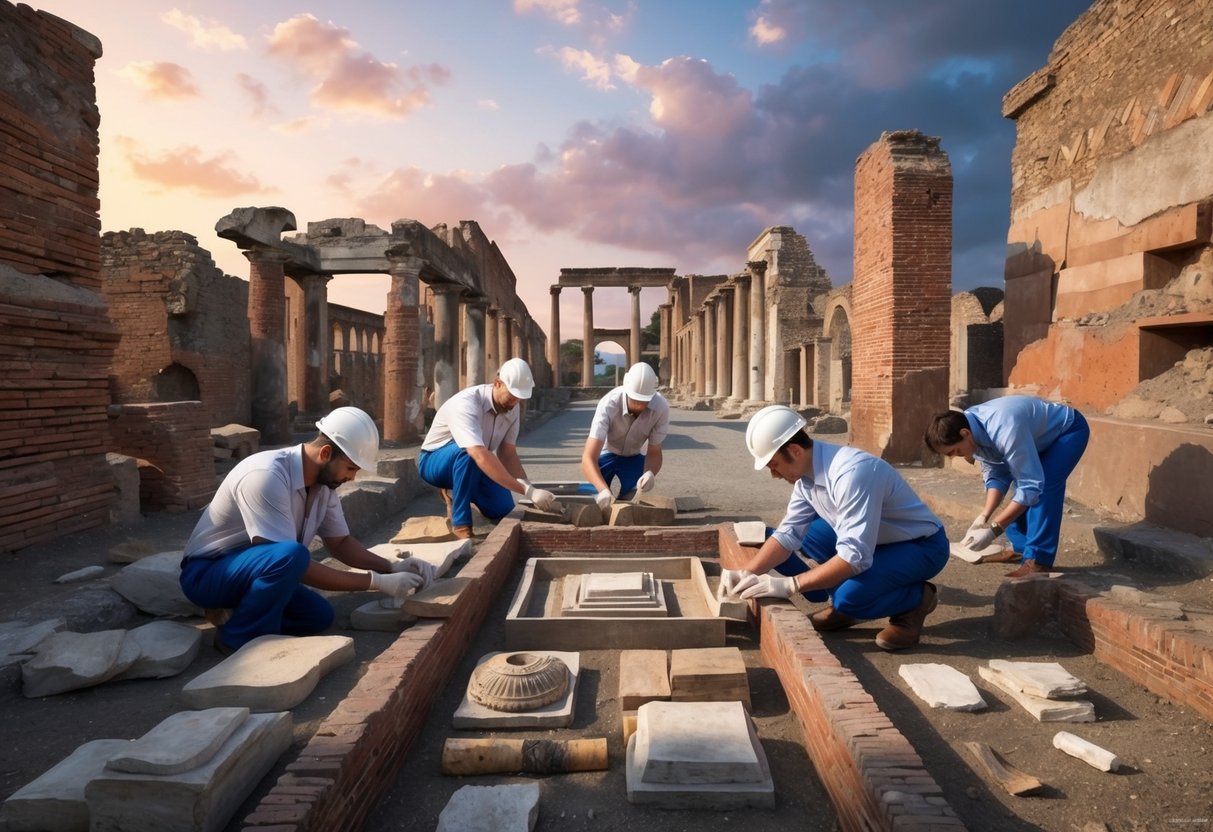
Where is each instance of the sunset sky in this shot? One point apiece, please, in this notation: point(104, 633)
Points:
point(577, 133)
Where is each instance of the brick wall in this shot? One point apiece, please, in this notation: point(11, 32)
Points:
point(901, 294)
point(356, 363)
point(173, 444)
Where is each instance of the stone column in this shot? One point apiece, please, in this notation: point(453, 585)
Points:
point(709, 346)
point(267, 334)
point(473, 326)
point(519, 342)
point(634, 335)
point(665, 343)
point(403, 420)
point(492, 358)
point(446, 341)
point(315, 344)
point(724, 342)
point(503, 338)
point(822, 361)
point(554, 337)
point(758, 333)
point(806, 374)
point(741, 339)
point(698, 360)
point(587, 336)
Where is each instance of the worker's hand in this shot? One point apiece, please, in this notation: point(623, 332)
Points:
point(604, 499)
point(417, 566)
point(396, 584)
point(981, 521)
point(772, 585)
point(729, 580)
point(543, 499)
point(646, 481)
point(978, 539)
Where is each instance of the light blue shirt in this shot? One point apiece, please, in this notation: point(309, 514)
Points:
point(1011, 433)
point(865, 501)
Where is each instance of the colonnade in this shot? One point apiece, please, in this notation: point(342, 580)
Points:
point(719, 349)
point(588, 337)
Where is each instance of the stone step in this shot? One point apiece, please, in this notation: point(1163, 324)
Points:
point(1158, 548)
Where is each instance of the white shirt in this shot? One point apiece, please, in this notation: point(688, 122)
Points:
point(624, 434)
point(264, 496)
point(864, 500)
point(470, 419)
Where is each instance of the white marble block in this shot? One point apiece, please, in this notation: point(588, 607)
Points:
point(942, 686)
point(270, 673)
point(1047, 679)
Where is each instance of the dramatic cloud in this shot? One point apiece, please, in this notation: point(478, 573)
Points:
point(346, 77)
point(204, 34)
point(595, 71)
point(562, 11)
point(161, 79)
point(187, 169)
point(257, 94)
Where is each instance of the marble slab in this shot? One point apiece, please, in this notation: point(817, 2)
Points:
point(510, 808)
point(182, 741)
point(1045, 710)
point(942, 686)
point(974, 555)
point(270, 673)
point(442, 555)
point(558, 714)
point(1047, 679)
point(437, 600)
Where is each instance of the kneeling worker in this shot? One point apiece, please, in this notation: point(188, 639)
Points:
point(625, 419)
point(471, 455)
point(247, 562)
point(875, 543)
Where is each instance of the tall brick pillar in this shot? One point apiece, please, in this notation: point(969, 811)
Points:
point(446, 341)
point(474, 312)
point(316, 346)
point(402, 415)
point(901, 294)
point(267, 332)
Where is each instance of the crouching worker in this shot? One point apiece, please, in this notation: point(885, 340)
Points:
point(874, 542)
point(625, 420)
point(471, 455)
point(247, 562)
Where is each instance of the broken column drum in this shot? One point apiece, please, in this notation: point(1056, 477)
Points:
point(516, 682)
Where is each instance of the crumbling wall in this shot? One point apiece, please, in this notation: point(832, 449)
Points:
point(175, 307)
point(356, 365)
point(976, 349)
point(175, 453)
point(56, 338)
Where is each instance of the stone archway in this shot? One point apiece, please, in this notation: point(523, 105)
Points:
point(176, 383)
point(837, 327)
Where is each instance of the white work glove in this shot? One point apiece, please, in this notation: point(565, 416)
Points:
point(980, 523)
point(646, 481)
point(543, 500)
point(396, 584)
point(604, 499)
point(417, 566)
point(978, 539)
point(772, 585)
point(729, 581)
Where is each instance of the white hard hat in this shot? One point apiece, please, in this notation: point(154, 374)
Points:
point(517, 377)
point(768, 430)
point(640, 382)
point(354, 432)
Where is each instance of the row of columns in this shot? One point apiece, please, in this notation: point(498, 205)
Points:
point(722, 353)
point(587, 334)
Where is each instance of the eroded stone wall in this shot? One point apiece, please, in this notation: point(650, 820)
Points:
point(172, 443)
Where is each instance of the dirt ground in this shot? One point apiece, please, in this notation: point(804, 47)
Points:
point(1168, 750)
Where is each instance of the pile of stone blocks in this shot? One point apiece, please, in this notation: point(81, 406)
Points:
point(1043, 689)
point(613, 595)
point(708, 674)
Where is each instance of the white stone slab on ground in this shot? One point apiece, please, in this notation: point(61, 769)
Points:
point(165, 649)
point(375, 616)
point(55, 801)
point(1088, 752)
point(975, 555)
point(1045, 710)
point(202, 799)
point(83, 574)
point(270, 673)
point(750, 532)
point(19, 640)
point(153, 585)
point(942, 686)
point(558, 714)
point(442, 555)
point(1047, 679)
point(180, 742)
point(70, 661)
point(512, 808)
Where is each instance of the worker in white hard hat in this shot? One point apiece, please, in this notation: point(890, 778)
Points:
point(247, 562)
point(873, 543)
point(626, 418)
point(470, 453)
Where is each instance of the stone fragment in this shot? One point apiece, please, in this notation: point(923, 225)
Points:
point(374, 616)
point(19, 640)
point(1022, 607)
point(640, 514)
point(1047, 679)
point(70, 661)
point(975, 555)
point(431, 529)
point(643, 677)
point(1045, 710)
point(513, 808)
point(240, 440)
point(437, 600)
point(55, 801)
point(690, 502)
point(130, 550)
point(942, 686)
point(202, 799)
point(180, 742)
point(709, 674)
point(441, 555)
point(83, 574)
point(125, 472)
point(1016, 782)
point(1088, 752)
point(165, 648)
point(270, 673)
point(750, 532)
point(152, 584)
point(556, 714)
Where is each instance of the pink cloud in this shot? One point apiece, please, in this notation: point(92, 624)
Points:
point(257, 93)
point(187, 169)
point(161, 80)
point(208, 34)
point(430, 199)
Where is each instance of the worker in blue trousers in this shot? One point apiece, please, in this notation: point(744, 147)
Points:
point(873, 544)
point(1030, 442)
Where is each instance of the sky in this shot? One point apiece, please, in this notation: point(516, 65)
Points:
point(578, 133)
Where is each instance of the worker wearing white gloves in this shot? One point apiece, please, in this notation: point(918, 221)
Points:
point(470, 453)
point(1023, 440)
point(247, 562)
point(625, 419)
point(875, 544)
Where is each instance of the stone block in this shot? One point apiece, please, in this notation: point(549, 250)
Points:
point(437, 600)
point(513, 808)
point(1021, 607)
point(125, 471)
point(55, 801)
point(270, 673)
point(709, 674)
point(240, 440)
point(430, 529)
point(1045, 710)
point(750, 532)
point(70, 661)
point(365, 502)
point(1047, 679)
point(180, 742)
point(165, 648)
point(558, 714)
point(643, 677)
point(1107, 284)
point(153, 585)
point(942, 686)
point(641, 513)
point(442, 555)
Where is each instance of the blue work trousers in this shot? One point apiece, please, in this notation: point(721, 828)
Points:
point(450, 467)
point(1034, 534)
point(260, 584)
point(890, 586)
point(627, 468)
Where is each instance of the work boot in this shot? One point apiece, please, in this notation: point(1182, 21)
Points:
point(831, 619)
point(905, 628)
point(445, 494)
point(463, 532)
point(1005, 556)
point(1028, 567)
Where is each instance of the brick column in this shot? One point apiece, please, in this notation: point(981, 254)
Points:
point(710, 352)
point(724, 342)
point(446, 341)
point(634, 334)
point(587, 336)
point(492, 358)
point(315, 344)
point(473, 326)
point(901, 294)
point(758, 332)
point(267, 332)
point(554, 337)
point(741, 339)
point(665, 344)
point(402, 415)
